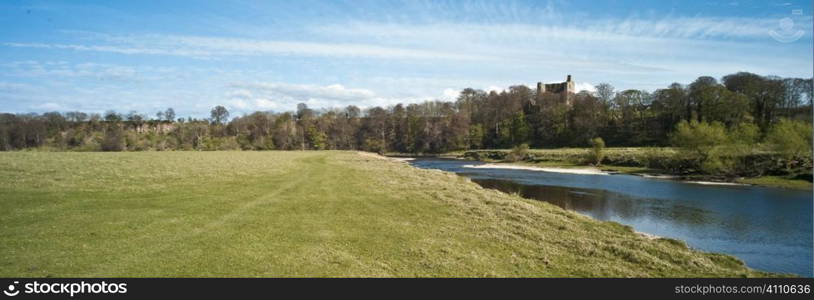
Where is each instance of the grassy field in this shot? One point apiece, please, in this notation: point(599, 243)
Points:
point(313, 213)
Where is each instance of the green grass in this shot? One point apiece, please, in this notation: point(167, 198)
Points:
point(779, 181)
point(627, 170)
point(626, 160)
point(324, 213)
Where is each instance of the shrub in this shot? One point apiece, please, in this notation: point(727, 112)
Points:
point(518, 153)
point(744, 134)
point(113, 140)
point(791, 139)
point(597, 150)
point(700, 143)
point(374, 145)
point(473, 155)
point(220, 143)
point(91, 142)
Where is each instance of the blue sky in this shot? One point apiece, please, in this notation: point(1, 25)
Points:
point(270, 55)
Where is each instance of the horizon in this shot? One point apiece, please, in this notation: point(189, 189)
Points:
point(192, 56)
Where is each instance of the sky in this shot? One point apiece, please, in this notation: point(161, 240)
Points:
point(95, 56)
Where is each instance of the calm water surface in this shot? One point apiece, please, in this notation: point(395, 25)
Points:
point(769, 229)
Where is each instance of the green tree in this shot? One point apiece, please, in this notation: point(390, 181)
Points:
point(316, 139)
point(765, 94)
point(745, 133)
point(374, 145)
point(519, 130)
point(700, 144)
point(476, 136)
point(597, 150)
point(792, 139)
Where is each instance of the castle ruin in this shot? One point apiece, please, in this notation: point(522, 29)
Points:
point(562, 92)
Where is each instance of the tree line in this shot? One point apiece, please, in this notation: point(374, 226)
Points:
point(476, 120)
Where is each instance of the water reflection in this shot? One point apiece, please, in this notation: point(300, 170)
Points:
point(601, 204)
point(770, 229)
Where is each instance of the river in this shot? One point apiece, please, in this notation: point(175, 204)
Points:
point(768, 228)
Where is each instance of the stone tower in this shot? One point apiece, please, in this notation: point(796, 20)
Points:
point(561, 91)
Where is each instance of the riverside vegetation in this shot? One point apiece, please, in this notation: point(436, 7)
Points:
point(305, 213)
point(742, 102)
point(703, 151)
point(746, 127)
point(769, 168)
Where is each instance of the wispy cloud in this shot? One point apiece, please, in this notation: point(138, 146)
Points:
point(603, 47)
point(334, 92)
point(116, 49)
point(62, 69)
point(200, 47)
point(608, 46)
point(285, 96)
point(399, 52)
point(594, 29)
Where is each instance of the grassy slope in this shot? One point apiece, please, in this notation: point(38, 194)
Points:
point(299, 214)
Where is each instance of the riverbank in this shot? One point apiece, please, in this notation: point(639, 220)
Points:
point(740, 221)
point(304, 213)
point(583, 171)
point(633, 161)
point(607, 170)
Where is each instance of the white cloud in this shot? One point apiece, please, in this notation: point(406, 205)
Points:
point(585, 86)
point(116, 49)
point(265, 104)
point(592, 49)
point(49, 106)
point(450, 94)
point(440, 58)
point(303, 92)
point(240, 94)
point(60, 69)
point(202, 47)
point(281, 96)
point(240, 104)
point(278, 96)
point(495, 89)
point(574, 30)
point(597, 47)
point(13, 87)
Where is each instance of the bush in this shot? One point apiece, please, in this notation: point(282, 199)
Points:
point(791, 139)
point(136, 142)
point(518, 153)
point(597, 150)
point(113, 140)
point(744, 134)
point(701, 144)
point(374, 145)
point(220, 143)
point(92, 142)
point(485, 154)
